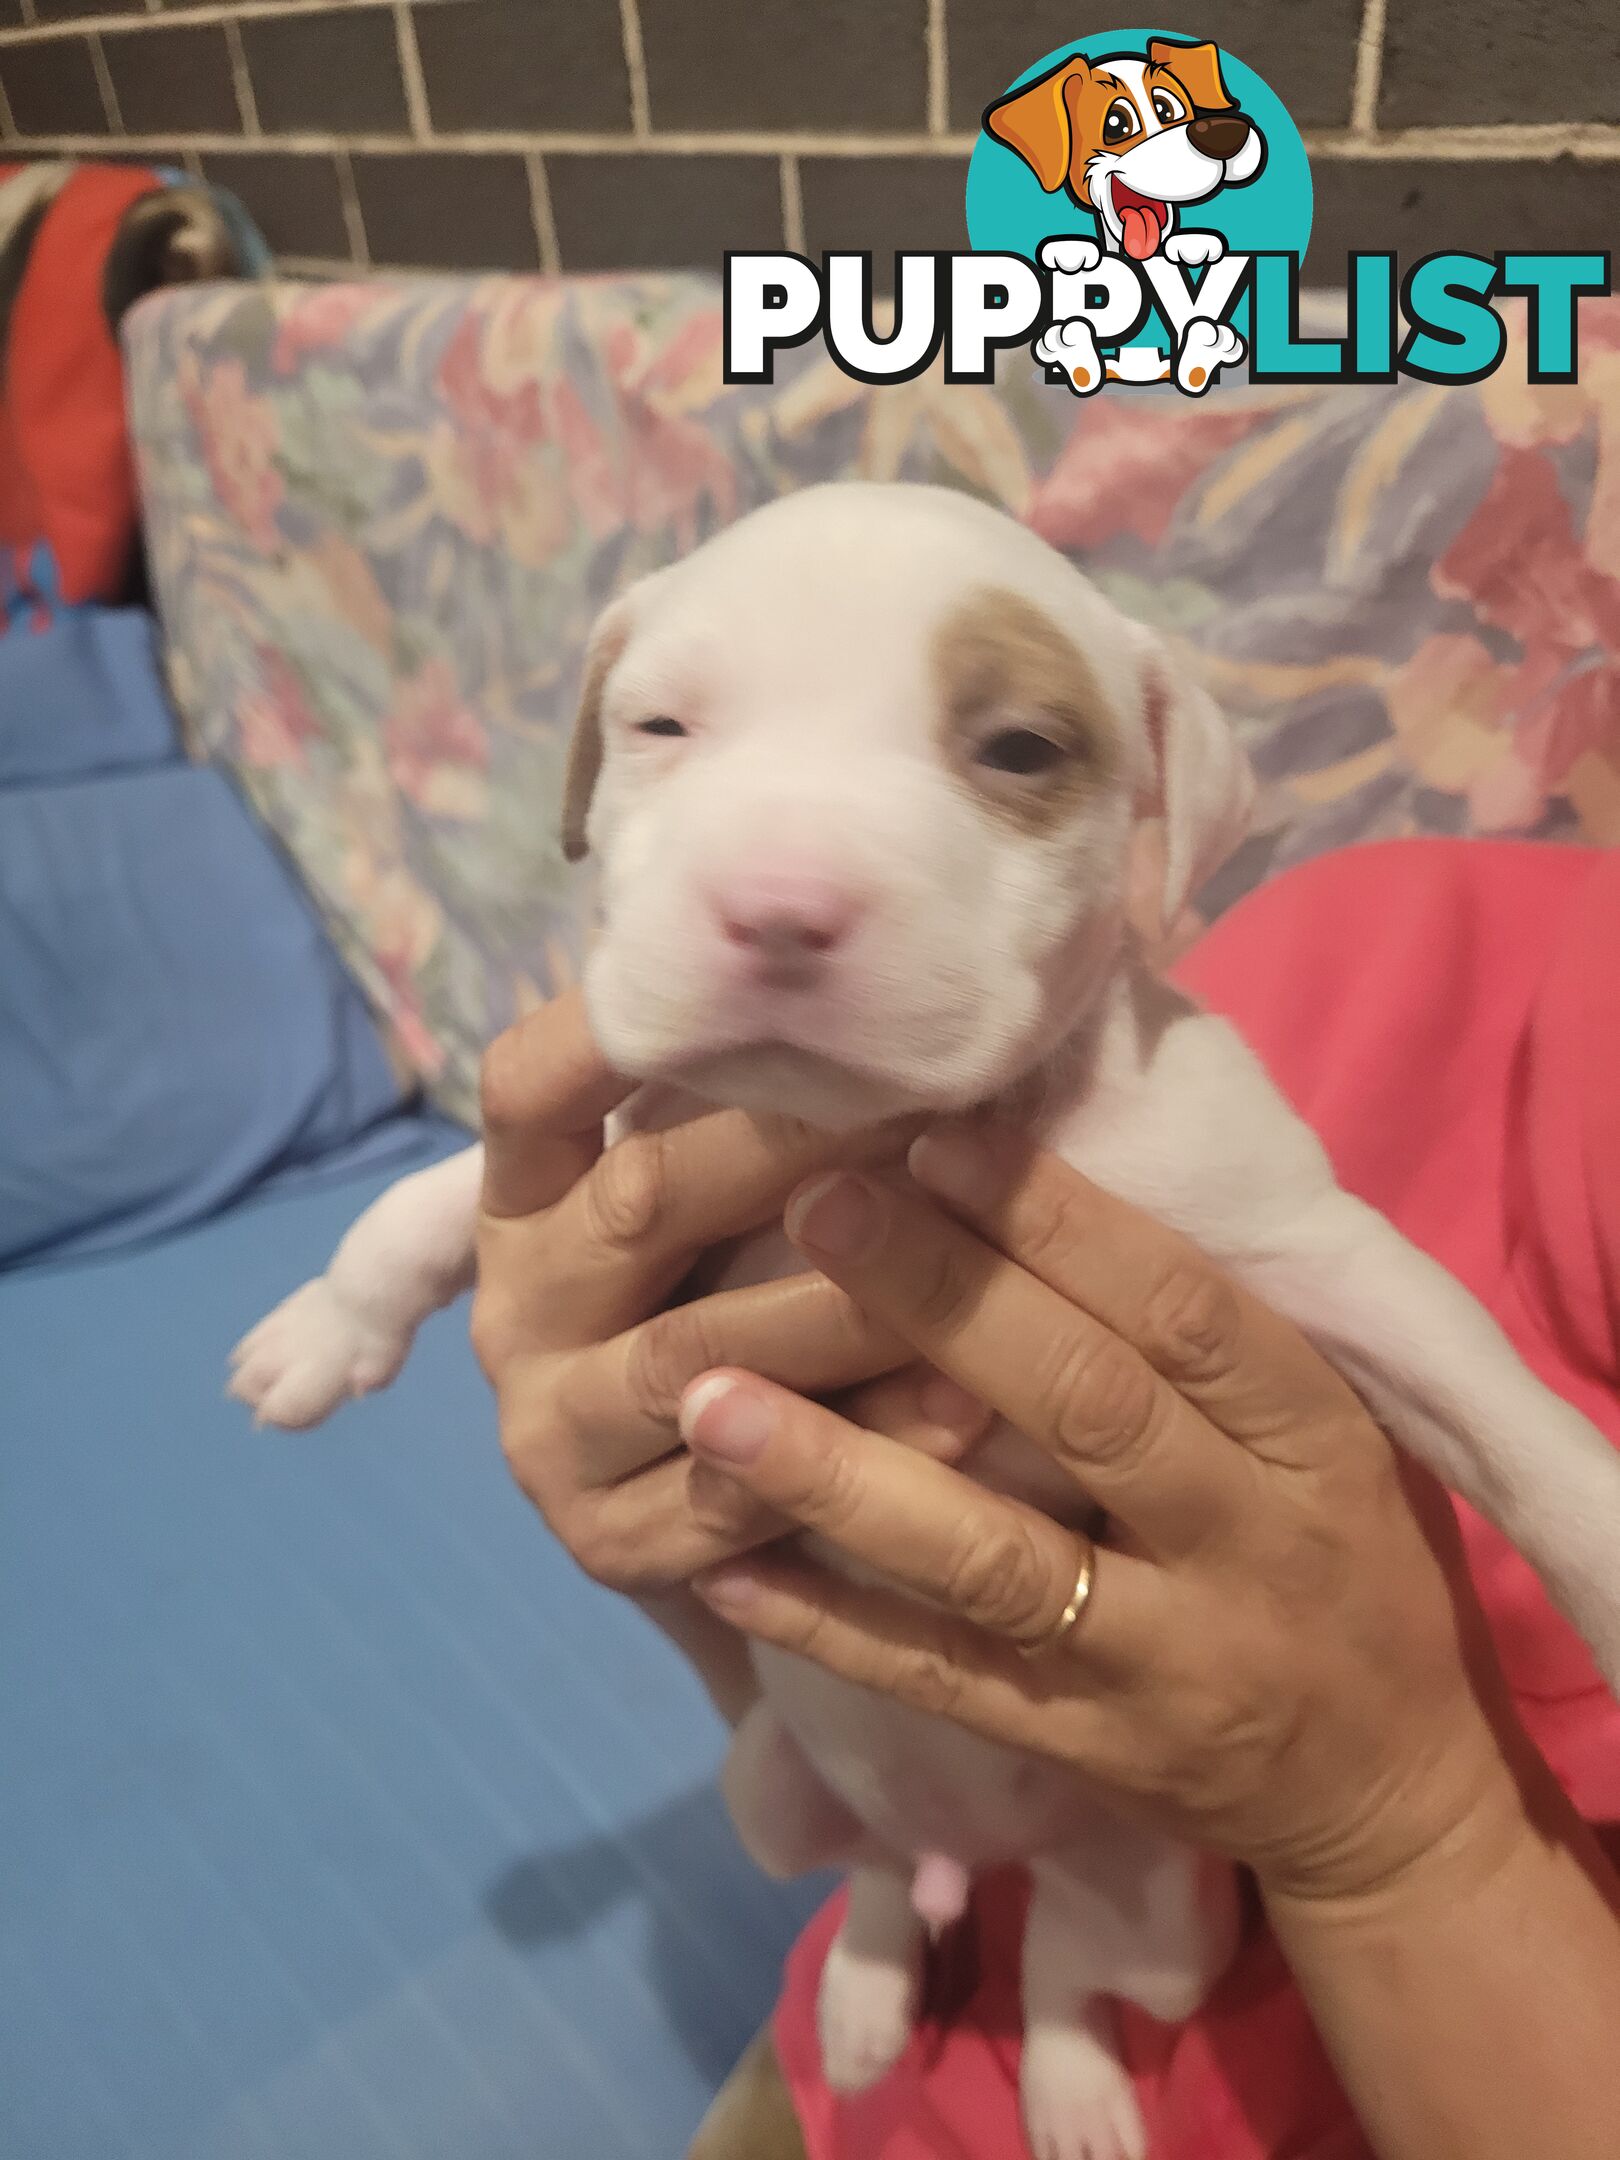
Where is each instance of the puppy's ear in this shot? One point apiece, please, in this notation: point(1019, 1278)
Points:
point(1197, 68)
point(1036, 122)
point(1202, 785)
point(608, 640)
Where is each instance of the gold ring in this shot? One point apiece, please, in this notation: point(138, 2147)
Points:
point(1072, 1614)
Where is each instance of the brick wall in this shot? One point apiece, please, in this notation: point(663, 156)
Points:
point(599, 134)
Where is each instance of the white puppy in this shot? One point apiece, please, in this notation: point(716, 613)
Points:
point(861, 776)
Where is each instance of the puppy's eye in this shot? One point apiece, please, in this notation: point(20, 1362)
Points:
point(660, 724)
point(1119, 121)
point(1167, 108)
point(1019, 751)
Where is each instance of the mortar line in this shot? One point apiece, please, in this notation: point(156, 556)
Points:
point(354, 223)
point(1595, 142)
point(1369, 75)
point(104, 83)
point(247, 103)
point(635, 62)
point(410, 68)
point(939, 70)
point(540, 210)
point(792, 203)
point(152, 15)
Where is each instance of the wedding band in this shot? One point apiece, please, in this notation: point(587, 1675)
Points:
point(1073, 1612)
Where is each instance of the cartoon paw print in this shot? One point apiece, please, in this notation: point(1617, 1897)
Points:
point(1206, 348)
point(1070, 257)
point(1191, 248)
point(1072, 346)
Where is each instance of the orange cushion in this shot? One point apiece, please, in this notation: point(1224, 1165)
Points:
point(64, 392)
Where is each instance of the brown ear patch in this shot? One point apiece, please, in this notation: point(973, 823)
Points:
point(1004, 668)
point(1037, 122)
point(1197, 68)
point(585, 746)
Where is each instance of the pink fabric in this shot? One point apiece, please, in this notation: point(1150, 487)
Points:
point(1447, 1015)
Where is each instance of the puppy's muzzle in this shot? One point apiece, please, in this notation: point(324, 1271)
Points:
point(784, 927)
point(1219, 135)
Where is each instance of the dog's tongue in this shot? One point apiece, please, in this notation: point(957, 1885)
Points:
point(1141, 230)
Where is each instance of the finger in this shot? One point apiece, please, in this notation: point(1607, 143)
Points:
point(1252, 1373)
point(618, 1404)
point(619, 1243)
point(882, 1640)
point(916, 1406)
point(546, 1089)
point(1058, 1375)
point(650, 1534)
point(991, 1561)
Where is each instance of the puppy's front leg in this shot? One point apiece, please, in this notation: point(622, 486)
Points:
point(350, 1330)
point(1435, 1368)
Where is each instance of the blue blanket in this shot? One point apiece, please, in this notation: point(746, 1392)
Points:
point(175, 1027)
point(341, 1818)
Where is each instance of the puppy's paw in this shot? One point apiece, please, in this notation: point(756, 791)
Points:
point(312, 1353)
point(1206, 348)
point(1189, 248)
point(1072, 347)
point(1079, 2104)
point(1070, 256)
point(864, 2012)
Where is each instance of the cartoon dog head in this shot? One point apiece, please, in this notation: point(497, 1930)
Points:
point(1131, 137)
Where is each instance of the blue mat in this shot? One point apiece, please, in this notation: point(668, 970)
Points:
point(341, 1818)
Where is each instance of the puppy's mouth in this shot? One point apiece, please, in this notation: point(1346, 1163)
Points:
point(772, 1075)
point(1143, 221)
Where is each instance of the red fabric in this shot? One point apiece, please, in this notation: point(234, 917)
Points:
point(20, 521)
point(1447, 1015)
point(66, 473)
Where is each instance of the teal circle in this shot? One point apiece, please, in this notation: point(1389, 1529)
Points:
point(1009, 212)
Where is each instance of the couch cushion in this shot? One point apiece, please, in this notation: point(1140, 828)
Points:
point(173, 1023)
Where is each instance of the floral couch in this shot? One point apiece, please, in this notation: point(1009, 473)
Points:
point(383, 515)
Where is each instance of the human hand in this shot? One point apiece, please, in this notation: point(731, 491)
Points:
point(579, 1251)
point(1279, 1659)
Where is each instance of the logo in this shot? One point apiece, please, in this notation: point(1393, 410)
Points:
point(1139, 210)
point(1142, 173)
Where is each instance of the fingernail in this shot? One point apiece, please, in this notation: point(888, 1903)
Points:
point(724, 1418)
point(729, 1589)
point(955, 1163)
point(942, 1402)
point(839, 1215)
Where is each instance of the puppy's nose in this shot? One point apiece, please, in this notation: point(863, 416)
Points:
point(785, 921)
point(1219, 135)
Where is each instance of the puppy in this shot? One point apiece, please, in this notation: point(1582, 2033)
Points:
point(861, 776)
point(1132, 138)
